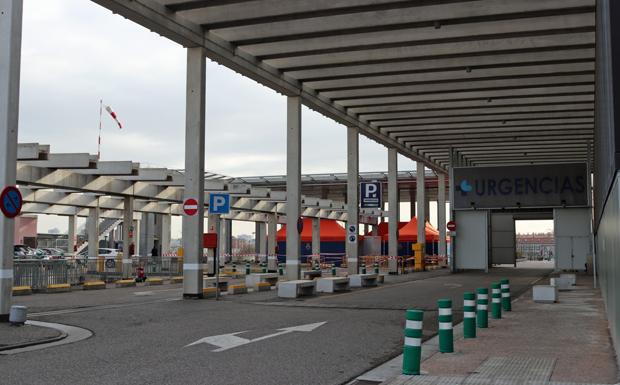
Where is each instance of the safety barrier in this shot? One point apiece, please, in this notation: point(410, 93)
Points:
point(39, 274)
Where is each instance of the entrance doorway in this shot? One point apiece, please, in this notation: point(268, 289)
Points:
point(535, 240)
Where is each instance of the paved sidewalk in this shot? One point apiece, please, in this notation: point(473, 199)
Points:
point(11, 336)
point(565, 342)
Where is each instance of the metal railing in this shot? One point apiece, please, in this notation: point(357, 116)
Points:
point(39, 274)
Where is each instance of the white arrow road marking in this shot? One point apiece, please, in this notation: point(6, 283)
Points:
point(229, 341)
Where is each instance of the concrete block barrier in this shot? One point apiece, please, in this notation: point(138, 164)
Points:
point(237, 289)
point(94, 285)
point(125, 283)
point(545, 293)
point(58, 288)
point(262, 286)
point(176, 280)
point(22, 290)
point(154, 281)
point(209, 292)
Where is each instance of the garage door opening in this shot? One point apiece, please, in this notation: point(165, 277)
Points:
point(535, 240)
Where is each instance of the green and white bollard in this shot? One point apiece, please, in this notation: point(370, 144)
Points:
point(317, 266)
point(333, 270)
point(264, 267)
point(469, 315)
point(412, 351)
point(234, 267)
point(446, 335)
point(247, 268)
point(363, 268)
point(280, 268)
point(482, 315)
point(506, 300)
point(376, 266)
point(496, 301)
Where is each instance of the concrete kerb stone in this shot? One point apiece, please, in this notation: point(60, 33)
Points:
point(125, 283)
point(94, 285)
point(58, 288)
point(62, 336)
point(154, 281)
point(22, 290)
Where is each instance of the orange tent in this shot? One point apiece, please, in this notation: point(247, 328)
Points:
point(408, 232)
point(331, 231)
point(382, 229)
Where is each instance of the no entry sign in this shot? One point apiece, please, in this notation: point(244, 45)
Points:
point(451, 226)
point(11, 202)
point(190, 206)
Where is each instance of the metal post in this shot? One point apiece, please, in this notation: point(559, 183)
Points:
point(128, 234)
point(352, 243)
point(393, 212)
point(193, 226)
point(441, 213)
point(421, 198)
point(293, 186)
point(10, 53)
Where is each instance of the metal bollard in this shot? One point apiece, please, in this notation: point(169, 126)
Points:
point(317, 265)
point(506, 300)
point(363, 268)
point(264, 267)
point(496, 301)
point(376, 266)
point(247, 268)
point(280, 268)
point(482, 315)
point(333, 270)
point(412, 350)
point(234, 267)
point(469, 315)
point(446, 335)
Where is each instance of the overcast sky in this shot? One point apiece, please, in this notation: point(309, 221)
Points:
point(75, 53)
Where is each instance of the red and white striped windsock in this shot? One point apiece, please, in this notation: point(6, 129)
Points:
point(113, 115)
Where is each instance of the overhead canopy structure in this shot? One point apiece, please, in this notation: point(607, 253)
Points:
point(497, 81)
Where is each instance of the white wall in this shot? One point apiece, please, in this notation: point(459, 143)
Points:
point(472, 242)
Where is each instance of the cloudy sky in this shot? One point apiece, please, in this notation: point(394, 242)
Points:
point(75, 53)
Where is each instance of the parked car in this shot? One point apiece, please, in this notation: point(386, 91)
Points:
point(23, 252)
point(52, 253)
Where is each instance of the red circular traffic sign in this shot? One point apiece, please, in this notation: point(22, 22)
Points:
point(190, 206)
point(451, 226)
point(11, 202)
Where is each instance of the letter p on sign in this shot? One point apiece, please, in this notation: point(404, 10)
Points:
point(219, 203)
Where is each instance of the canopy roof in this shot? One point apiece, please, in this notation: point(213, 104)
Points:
point(494, 81)
point(409, 232)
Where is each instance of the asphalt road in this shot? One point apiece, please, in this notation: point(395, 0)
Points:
point(141, 338)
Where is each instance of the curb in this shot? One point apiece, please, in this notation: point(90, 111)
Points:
point(62, 336)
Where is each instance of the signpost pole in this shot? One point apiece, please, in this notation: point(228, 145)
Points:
point(10, 53)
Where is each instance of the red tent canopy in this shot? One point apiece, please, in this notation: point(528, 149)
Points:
point(382, 229)
point(331, 231)
point(409, 232)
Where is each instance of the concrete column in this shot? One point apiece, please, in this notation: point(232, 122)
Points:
point(272, 229)
point(427, 206)
point(393, 209)
point(421, 197)
point(261, 240)
point(214, 227)
point(128, 236)
point(316, 236)
point(193, 226)
point(451, 209)
point(352, 248)
point(92, 231)
point(224, 239)
point(412, 202)
point(293, 185)
point(10, 53)
point(136, 236)
point(72, 234)
point(441, 212)
point(166, 232)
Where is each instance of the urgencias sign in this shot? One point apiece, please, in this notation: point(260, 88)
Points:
point(558, 185)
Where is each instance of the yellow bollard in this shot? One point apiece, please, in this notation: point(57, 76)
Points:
point(418, 249)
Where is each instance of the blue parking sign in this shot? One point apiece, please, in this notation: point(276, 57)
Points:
point(371, 195)
point(219, 203)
